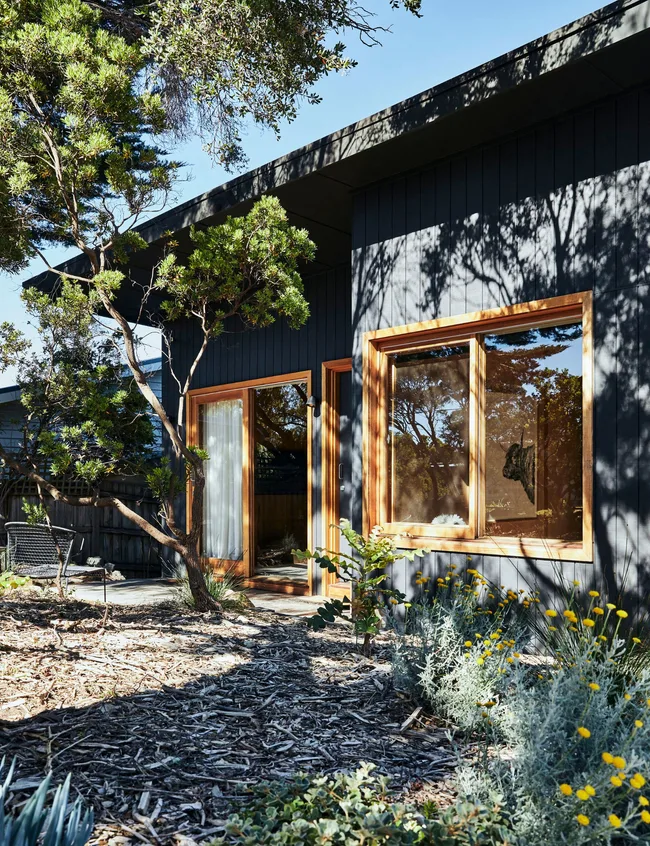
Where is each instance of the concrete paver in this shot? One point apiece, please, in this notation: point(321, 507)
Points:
point(152, 591)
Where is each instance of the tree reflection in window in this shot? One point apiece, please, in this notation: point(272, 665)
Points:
point(533, 433)
point(429, 434)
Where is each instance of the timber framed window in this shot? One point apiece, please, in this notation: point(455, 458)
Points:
point(478, 431)
point(258, 493)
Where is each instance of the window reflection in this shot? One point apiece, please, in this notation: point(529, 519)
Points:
point(280, 482)
point(533, 433)
point(429, 436)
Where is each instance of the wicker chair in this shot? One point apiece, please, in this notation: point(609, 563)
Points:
point(32, 551)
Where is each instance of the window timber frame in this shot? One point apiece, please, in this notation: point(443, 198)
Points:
point(245, 390)
point(380, 344)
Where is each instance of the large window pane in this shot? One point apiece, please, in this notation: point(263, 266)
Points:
point(280, 481)
point(220, 433)
point(429, 436)
point(533, 427)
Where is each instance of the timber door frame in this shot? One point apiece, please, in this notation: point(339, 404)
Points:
point(331, 456)
point(200, 396)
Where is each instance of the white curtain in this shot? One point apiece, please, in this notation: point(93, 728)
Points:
point(223, 521)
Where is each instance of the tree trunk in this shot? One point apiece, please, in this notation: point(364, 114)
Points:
point(202, 599)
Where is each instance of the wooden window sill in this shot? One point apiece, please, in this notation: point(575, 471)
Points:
point(499, 546)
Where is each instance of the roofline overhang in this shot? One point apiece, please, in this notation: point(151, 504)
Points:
point(327, 157)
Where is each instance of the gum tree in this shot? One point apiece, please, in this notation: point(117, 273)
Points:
point(77, 167)
point(87, 89)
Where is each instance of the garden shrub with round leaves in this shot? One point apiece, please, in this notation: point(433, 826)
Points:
point(354, 809)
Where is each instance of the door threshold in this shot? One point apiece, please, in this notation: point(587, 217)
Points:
point(293, 588)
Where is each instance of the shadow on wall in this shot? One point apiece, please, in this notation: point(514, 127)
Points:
point(558, 209)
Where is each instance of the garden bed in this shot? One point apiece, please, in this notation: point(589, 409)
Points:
point(165, 717)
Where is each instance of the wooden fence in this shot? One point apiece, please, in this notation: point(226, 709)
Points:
point(104, 531)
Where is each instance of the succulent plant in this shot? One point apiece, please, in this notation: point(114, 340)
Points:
point(38, 824)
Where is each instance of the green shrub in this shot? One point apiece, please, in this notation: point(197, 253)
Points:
point(10, 581)
point(365, 570)
point(219, 585)
point(36, 824)
point(353, 809)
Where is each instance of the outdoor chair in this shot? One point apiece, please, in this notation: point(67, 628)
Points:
point(31, 551)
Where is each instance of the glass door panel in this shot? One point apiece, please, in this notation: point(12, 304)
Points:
point(221, 430)
point(280, 483)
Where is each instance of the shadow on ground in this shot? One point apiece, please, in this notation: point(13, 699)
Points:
point(165, 718)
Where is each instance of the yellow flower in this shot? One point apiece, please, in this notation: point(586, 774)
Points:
point(510, 660)
point(622, 614)
point(480, 662)
point(566, 789)
point(598, 610)
point(584, 732)
point(637, 781)
point(468, 643)
point(516, 655)
point(393, 600)
point(619, 762)
point(588, 622)
point(590, 790)
point(570, 615)
point(627, 696)
point(593, 593)
point(614, 821)
point(616, 781)
point(636, 640)
point(583, 819)
point(552, 628)
point(643, 801)
point(472, 572)
point(621, 775)
point(582, 794)
point(645, 816)
point(602, 637)
point(607, 757)
point(594, 686)
point(611, 606)
point(638, 723)
point(576, 583)
point(550, 612)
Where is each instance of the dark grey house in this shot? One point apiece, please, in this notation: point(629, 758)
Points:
point(475, 375)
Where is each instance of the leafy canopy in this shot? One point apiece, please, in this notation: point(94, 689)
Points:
point(84, 419)
point(248, 265)
point(76, 163)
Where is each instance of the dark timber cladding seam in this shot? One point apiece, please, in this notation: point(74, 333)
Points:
point(552, 210)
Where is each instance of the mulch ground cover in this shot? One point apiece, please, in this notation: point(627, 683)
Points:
point(165, 717)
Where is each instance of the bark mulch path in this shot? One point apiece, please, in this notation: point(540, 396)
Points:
point(164, 717)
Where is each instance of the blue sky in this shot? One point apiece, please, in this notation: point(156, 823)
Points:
point(450, 38)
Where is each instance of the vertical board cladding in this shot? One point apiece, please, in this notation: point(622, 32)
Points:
point(241, 354)
point(561, 208)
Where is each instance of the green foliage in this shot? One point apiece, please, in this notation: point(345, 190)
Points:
point(248, 266)
point(365, 570)
point(240, 60)
point(225, 588)
point(75, 162)
point(353, 809)
point(10, 581)
point(36, 823)
point(35, 515)
point(460, 645)
point(83, 418)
